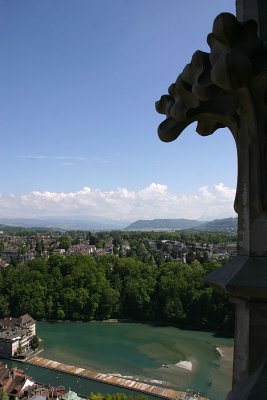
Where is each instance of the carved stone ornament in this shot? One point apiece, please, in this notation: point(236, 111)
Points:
point(209, 88)
point(228, 88)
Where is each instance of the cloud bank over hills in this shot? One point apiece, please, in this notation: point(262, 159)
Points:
point(153, 201)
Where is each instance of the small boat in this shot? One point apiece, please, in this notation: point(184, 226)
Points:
point(164, 365)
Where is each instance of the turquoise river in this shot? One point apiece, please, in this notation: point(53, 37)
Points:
point(135, 350)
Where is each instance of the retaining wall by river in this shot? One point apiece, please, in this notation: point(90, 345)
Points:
point(111, 379)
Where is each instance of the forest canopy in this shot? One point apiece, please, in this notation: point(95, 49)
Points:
point(85, 288)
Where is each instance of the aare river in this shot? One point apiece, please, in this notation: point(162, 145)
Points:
point(139, 351)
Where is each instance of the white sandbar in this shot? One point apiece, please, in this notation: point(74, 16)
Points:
point(185, 364)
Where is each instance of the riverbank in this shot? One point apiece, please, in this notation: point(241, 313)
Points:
point(225, 352)
point(229, 335)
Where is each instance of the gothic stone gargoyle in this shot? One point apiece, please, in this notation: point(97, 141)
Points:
point(228, 88)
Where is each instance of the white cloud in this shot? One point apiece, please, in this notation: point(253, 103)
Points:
point(153, 201)
point(68, 160)
point(226, 192)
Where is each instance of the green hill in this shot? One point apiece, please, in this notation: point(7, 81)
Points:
point(181, 224)
point(220, 224)
point(163, 224)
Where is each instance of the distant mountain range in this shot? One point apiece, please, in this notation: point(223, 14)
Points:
point(66, 223)
point(179, 224)
point(98, 223)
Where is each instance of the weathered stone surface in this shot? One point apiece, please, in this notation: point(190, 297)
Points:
point(243, 276)
point(228, 88)
point(253, 388)
point(256, 10)
point(206, 89)
point(250, 349)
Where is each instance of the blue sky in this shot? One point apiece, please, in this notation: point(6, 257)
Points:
point(79, 79)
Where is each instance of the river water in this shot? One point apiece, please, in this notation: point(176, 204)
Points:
point(136, 350)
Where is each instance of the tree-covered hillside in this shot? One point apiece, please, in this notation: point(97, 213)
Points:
point(86, 288)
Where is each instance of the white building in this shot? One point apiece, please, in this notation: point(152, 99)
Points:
point(16, 334)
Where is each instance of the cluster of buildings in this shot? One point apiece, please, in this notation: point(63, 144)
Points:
point(14, 382)
point(86, 248)
point(180, 251)
point(16, 335)
point(15, 338)
point(19, 386)
point(21, 249)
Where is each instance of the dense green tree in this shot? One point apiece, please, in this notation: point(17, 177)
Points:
point(108, 303)
point(4, 306)
point(86, 288)
point(60, 314)
point(3, 395)
point(65, 242)
point(34, 343)
point(38, 247)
